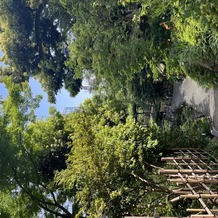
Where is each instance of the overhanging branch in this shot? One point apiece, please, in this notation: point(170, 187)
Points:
point(152, 184)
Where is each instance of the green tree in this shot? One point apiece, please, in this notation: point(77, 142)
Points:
point(34, 42)
point(112, 39)
point(123, 46)
point(196, 40)
point(30, 154)
point(116, 40)
point(192, 38)
point(111, 163)
point(96, 159)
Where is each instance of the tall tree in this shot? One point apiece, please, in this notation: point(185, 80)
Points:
point(112, 39)
point(111, 163)
point(192, 35)
point(116, 39)
point(94, 162)
point(34, 42)
point(30, 154)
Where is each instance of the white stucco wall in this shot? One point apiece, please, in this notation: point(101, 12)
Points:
point(203, 100)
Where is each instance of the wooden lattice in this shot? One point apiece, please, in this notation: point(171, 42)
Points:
point(195, 173)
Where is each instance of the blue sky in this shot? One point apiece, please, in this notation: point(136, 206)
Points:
point(63, 98)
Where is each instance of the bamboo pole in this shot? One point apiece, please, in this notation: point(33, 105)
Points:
point(175, 199)
point(196, 188)
point(193, 164)
point(194, 192)
point(186, 171)
point(195, 176)
point(189, 159)
point(215, 160)
point(193, 196)
point(189, 152)
point(204, 177)
point(183, 158)
point(208, 189)
point(207, 181)
point(194, 216)
point(200, 210)
point(153, 217)
point(179, 192)
point(204, 216)
point(185, 149)
point(199, 196)
point(207, 175)
point(189, 192)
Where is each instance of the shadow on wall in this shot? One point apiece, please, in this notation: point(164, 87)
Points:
point(202, 100)
point(189, 92)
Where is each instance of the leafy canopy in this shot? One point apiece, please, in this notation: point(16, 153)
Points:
point(34, 42)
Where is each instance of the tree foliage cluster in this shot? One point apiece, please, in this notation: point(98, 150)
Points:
point(119, 39)
point(34, 37)
point(97, 161)
point(30, 153)
point(59, 42)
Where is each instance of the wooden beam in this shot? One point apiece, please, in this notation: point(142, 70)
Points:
point(186, 171)
point(200, 210)
point(183, 158)
point(193, 164)
point(208, 181)
point(204, 216)
point(199, 196)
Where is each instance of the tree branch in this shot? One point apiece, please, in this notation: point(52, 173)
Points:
point(38, 178)
point(151, 165)
point(152, 184)
point(40, 202)
point(54, 199)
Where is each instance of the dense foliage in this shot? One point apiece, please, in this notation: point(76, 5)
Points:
point(34, 38)
point(61, 41)
point(100, 161)
point(30, 153)
point(94, 162)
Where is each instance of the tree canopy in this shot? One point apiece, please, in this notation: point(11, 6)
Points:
point(34, 42)
point(30, 154)
point(118, 39)
point(99, 161)
point(60, 41)
point(94, 162)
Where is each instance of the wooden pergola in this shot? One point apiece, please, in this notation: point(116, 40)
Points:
point(195, 174)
